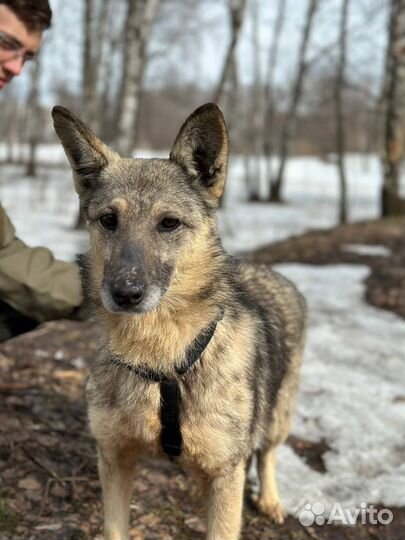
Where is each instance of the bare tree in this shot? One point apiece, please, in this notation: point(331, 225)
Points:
point(88, 86)
point(33, 112)
point(236, 13)
point(140, 16)
point(96, 18)
point(290, 121)
point(253, 133)
point(95, 29)
point(339, 113)
point(111, 69)
point(227, 91)
point(233, 98)
point(394, 103)
point(269, 97)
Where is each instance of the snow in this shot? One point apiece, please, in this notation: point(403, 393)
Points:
point(353, 381)
point(360, 249)
point(44, 209)
point(312, 192)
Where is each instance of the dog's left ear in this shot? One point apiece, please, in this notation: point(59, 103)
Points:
point(87, 154)
point(201, 149)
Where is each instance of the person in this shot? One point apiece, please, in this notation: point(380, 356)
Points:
point(34, 286)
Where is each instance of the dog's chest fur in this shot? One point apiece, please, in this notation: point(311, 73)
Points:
point(216, 402)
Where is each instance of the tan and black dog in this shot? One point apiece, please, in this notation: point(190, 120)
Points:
point(201, 353)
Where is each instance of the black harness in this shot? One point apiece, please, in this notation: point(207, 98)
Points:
point(170, 395)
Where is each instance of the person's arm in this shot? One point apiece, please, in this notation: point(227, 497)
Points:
point(32, 281)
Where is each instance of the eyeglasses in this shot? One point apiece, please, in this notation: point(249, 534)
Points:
point(12, 48)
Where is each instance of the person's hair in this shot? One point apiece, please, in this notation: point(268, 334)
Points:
point(35, 14)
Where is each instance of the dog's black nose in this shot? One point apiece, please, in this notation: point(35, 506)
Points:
point(127, 295)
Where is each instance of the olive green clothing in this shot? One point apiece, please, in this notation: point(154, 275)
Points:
point(32, 281)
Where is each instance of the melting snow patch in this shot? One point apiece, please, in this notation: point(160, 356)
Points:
point(79, 363)
point(365, 249)
point(352, 372)
point(41, 353)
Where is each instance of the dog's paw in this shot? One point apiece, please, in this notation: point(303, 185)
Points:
point(272, 509)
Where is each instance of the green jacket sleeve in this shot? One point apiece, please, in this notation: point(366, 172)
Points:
point(32, 281)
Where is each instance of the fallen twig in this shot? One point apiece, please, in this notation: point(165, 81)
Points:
point(43, 466)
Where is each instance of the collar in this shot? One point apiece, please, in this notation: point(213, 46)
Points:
point(192, 354)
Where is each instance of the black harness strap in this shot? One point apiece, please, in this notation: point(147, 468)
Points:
point(170, 395)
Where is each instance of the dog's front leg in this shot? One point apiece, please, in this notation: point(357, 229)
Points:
point(116, 469)
point(225, 504)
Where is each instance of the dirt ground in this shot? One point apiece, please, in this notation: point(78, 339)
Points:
point(48, 479)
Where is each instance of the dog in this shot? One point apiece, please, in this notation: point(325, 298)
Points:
point(200, 354)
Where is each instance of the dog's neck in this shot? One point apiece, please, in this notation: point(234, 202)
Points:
point(155, 338)
point(191, 355)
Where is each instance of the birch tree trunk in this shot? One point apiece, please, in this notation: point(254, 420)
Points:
point(253, 145)
point(339, 113)
point(95, 33)
point(88, 73)
point(33, 120)
point(140, 16)
point(13, 120)
point(269, 99)
point(394, 102)
point(290, 121)
point(233, 99)
point(236, 12)
point(95, 37)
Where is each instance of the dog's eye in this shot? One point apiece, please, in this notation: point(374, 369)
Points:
point(108, 222)
point(168, 224)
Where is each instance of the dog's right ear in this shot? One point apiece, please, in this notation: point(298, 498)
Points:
point(201, 149)
point(87, 154)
